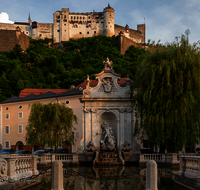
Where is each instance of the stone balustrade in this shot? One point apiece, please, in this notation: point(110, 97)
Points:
point(170, 158)
point(44, 159)
point(189, 166)
point(18, 166)
point(65, 158)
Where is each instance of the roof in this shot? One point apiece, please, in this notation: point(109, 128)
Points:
point(36, 94)
point(48, 94)
point(28, 91)
point(93, 83)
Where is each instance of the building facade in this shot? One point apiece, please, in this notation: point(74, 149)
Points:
point(67, 25)
point(94, 102)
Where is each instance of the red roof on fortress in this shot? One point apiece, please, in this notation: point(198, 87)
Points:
point(28, 91)
point(93, 83)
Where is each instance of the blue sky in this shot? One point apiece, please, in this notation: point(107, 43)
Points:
point(164, 19)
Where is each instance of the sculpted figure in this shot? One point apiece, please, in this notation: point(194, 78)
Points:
point(108, 64)
point(109, 138)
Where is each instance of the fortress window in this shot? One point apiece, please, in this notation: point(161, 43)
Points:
point(80, 32)
point(95, 32)
point(87, 32)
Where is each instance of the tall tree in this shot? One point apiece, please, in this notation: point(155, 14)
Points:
point(50, 124)
point(168, 95)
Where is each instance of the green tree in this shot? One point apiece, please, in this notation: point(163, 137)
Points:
point(50, 124)
point(167, 98)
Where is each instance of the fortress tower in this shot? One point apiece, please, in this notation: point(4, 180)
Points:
point(108, 28)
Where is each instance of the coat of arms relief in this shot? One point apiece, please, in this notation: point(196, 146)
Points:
point(107, 85)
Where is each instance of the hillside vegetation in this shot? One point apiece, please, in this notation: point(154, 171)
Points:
point(44, 67)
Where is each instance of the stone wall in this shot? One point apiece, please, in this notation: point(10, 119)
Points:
point(8, 39)
point(124, 43)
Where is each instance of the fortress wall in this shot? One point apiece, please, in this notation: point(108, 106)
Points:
point(124, 43)
point(8, 39)
point(44, 30)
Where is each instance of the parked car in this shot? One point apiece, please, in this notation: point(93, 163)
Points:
point(23, 152)
point(147, 151)
point(7, 151)
point(41, 152)
point(62, 151)
point(48, 150)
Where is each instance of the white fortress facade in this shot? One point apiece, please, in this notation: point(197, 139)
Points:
point(68, 25)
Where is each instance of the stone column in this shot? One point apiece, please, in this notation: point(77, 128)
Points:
point(151, 175)
point(34, 165)
point(120, 134)
point(93, 125)
point(87, 127)
point(129, 130)
point(11, 167)
point(57, 176)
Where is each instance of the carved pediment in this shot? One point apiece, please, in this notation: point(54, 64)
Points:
point(107, 86)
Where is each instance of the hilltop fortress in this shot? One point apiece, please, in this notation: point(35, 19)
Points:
point(68, 25)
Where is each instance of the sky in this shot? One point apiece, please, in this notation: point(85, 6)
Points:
point(164, 19)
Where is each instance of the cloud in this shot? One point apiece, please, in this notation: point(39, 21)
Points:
point(4, 18)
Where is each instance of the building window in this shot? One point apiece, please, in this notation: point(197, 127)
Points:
point(74, 17)
point(77, 17)
point(83, 17)
point(20, 107)
point(20, 129)
point(67, 102)
point(71, 17)
point(7, 116)
point(20, 115)
point(65, 16)
point(40, 35)
point(80, 17)
point(64, 24)
point(89, 17)
point(7, 144)
point(7, 129)
point(7, 108)
point(94, 32)
point(80, 32)
point(58, 30)
point(87, 32)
